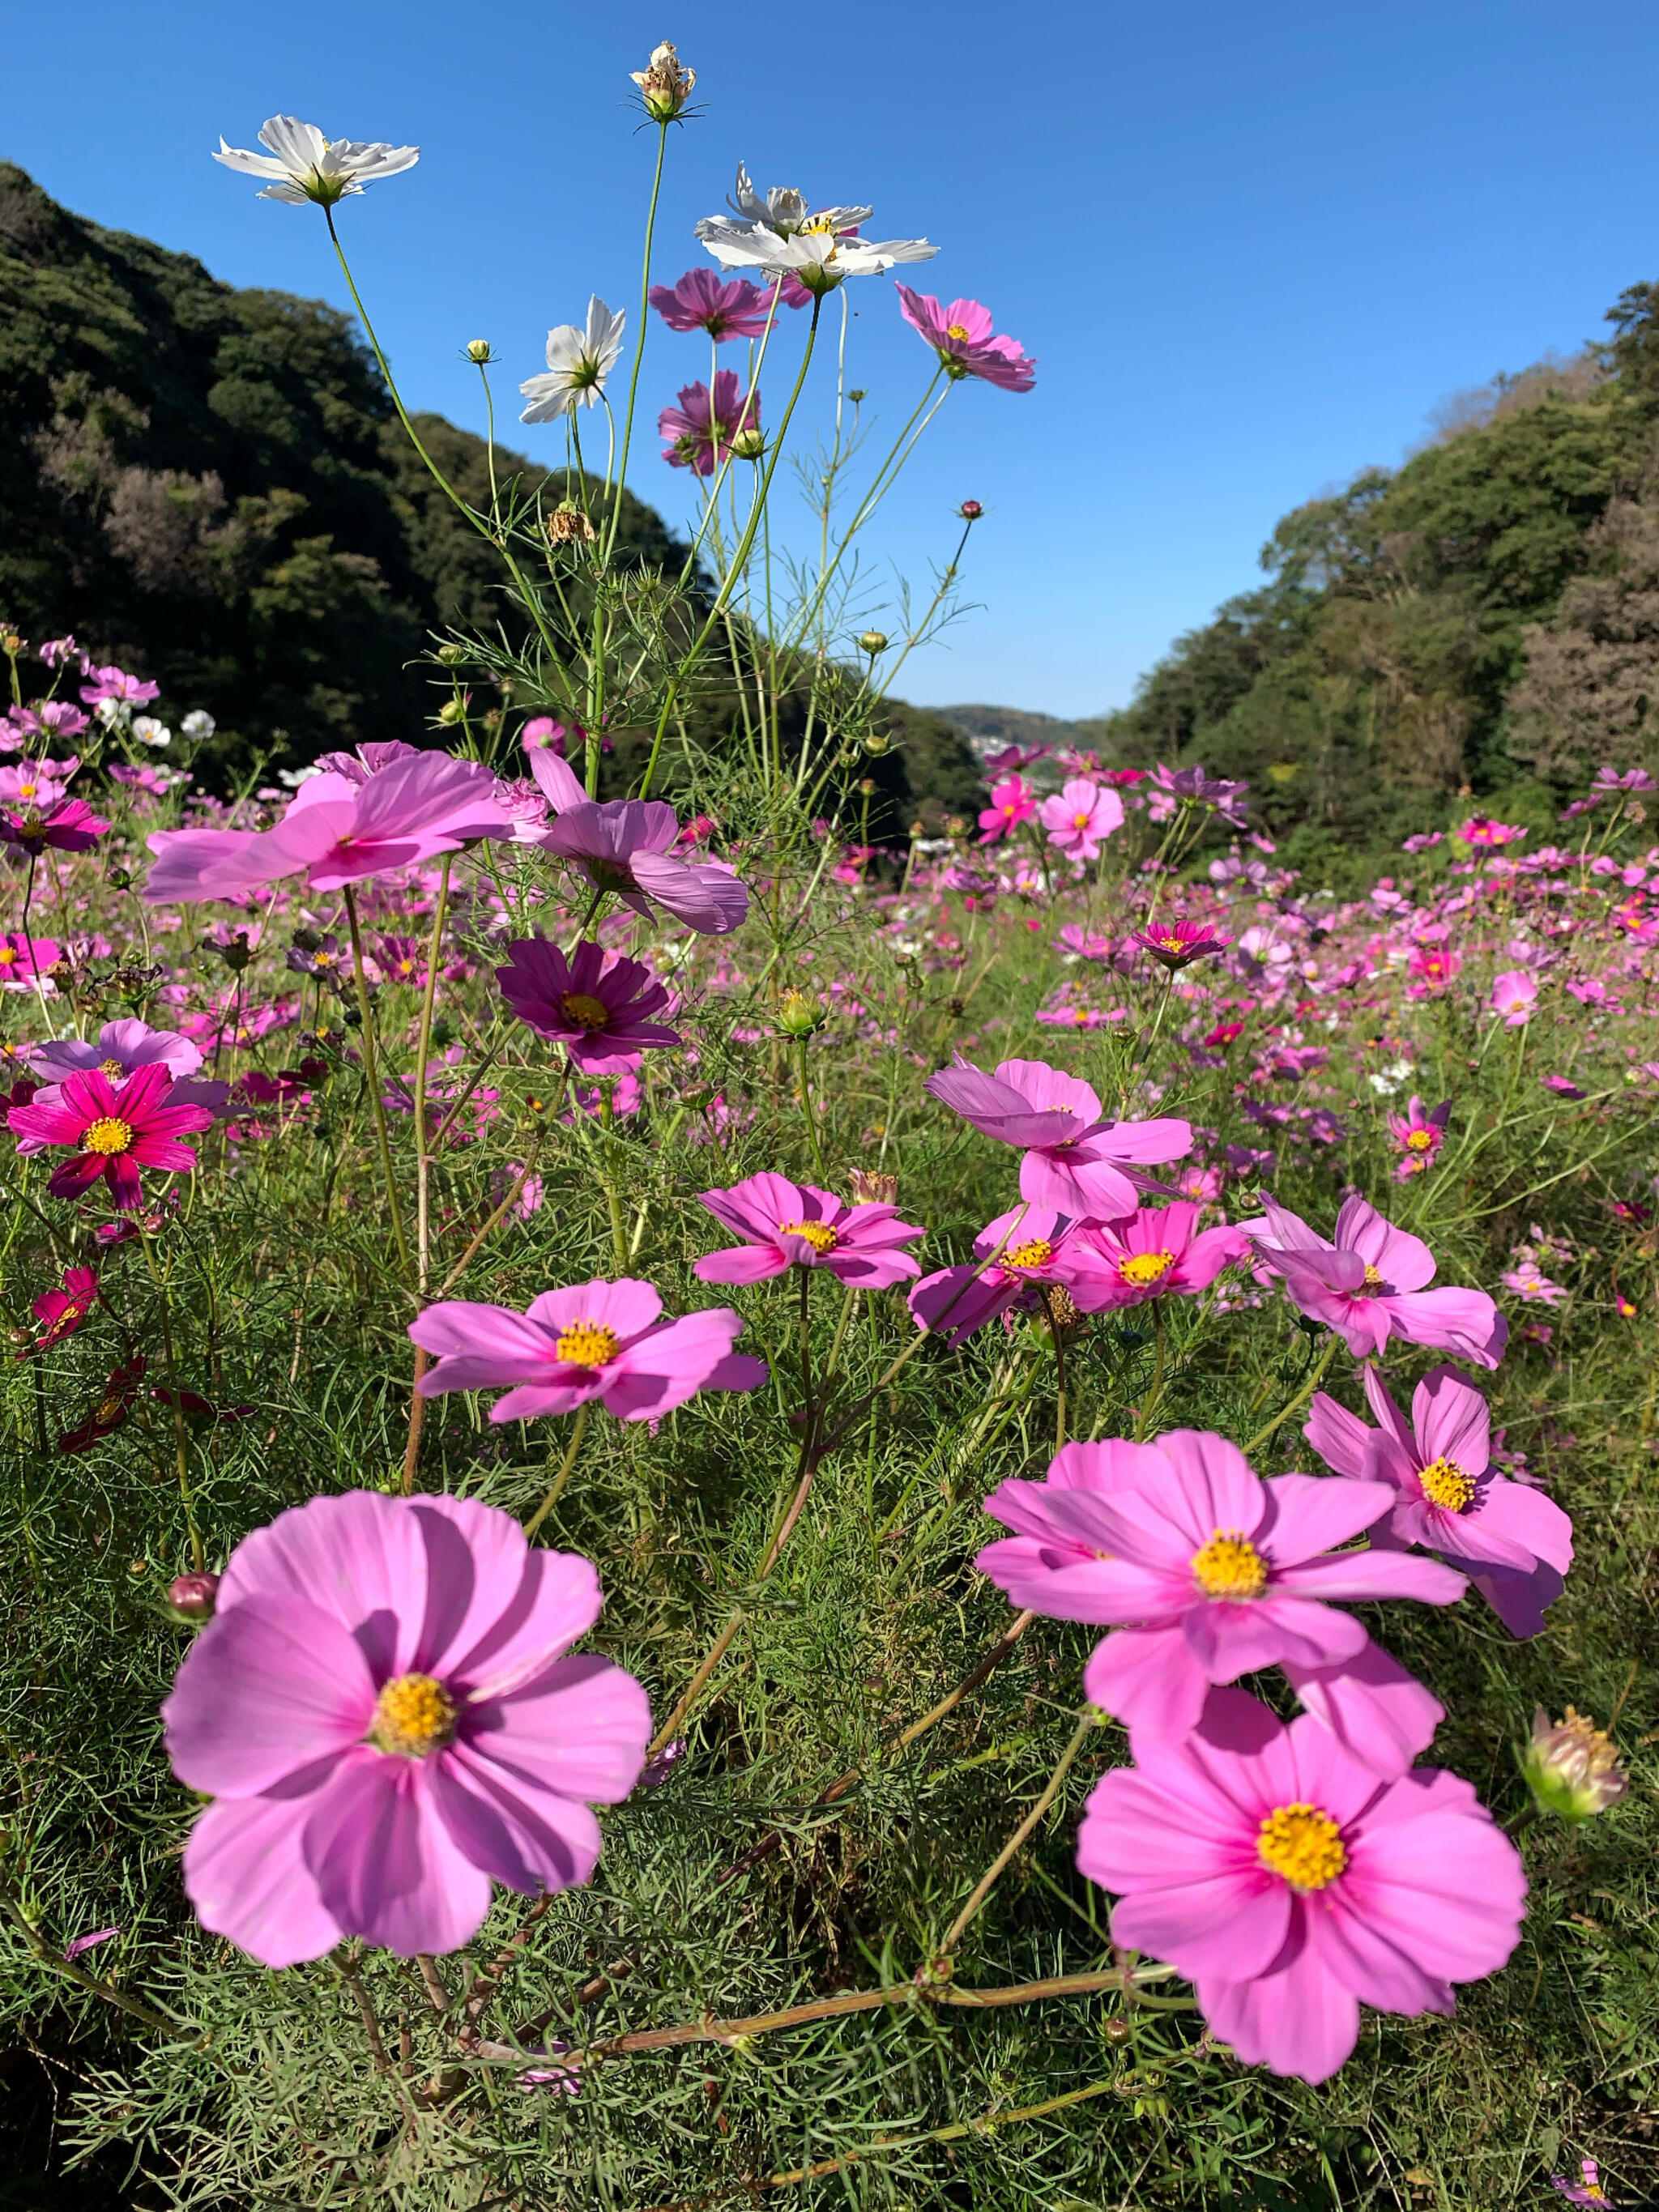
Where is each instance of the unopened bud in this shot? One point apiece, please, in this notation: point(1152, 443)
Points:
point(452, 655)
point(119, 877)
point(799, 1014)
point(955, 826)
point(857, 398)
point(749, 444)
point(1572, 1767)
point(452, 711)
point(192, 1598)
point(868, 787)
point(873, 642)
point(877, 743)
point(970, 510)
point(477, 350)
point(869, 1188)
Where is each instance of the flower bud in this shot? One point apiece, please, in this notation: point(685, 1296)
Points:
point(452, 655)
point(867, 789)
point(970, 510)
point(873, 642)
point(192, 1598)
point(478, 351)
point(871, 1188)
point(452, 711)
point(119, 879)
point(877, 743)
point(857, 397)
point(750, 443)
point(665, 87)
point(1572, 1767)
point(799, 1014)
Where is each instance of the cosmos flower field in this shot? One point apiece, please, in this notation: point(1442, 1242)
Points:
point(701, 1512)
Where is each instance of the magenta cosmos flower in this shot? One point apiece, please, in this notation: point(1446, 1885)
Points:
point(383, 1714)
point(597, 1005)
point(112, 1133)
point(1177, 944)
point(963, 336)
point(699, 431)
point(1418, 1135)
point(1161, 1248)
point(1080, 816)
point(1371, 1284)
point(1012, 802)
point(1205, 1573)
point(1291, 1886)
point(1515, 1544)
point(603, 1341)
point(120, 1048)
point(622, 846)
point(791, 1224)
point(700, 301)
point(60, 825)
point(1019, 1254)
point(1077, 1160)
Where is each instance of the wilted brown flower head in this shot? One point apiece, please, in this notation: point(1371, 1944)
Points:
point(567, 524)
point(665, 87)
point(869, 1187)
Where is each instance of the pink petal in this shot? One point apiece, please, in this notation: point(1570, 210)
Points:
point(528, 1841)
point(1447, 1888)
point(272, 1685)
point(1339, 1436)
point(360, 1557)
point(246, 1880)
point(579, 1730)
point(1381, 1716)
point(1230, 1640)
point(1298, 2020)
point(1308, 1514)
point(741, 1263)
point(1148, 1679)
point(1452, 1420)
point(386, 1865)
point(627, 1307)
point(704, 896)
point(1374, 1574)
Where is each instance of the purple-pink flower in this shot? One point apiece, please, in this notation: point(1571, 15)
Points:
point(60, 825)
point(1080, 816)
point(624, 846)
point(699, 431)
point(1012, 802)
point(115, 683)
point(1020, 1254)
point(964, 334)
point(1077, 1160)
point(1371, 1283)
point(700, 301)
point(1513, 1542)
point(1161, 1249)
point(790, 1224)
point(1290, 1886)
point(112, 1133)
point(603, 1340)
point(1206, 1572)
point(1513, 995)
point(597, 1005)
point(384, 1712)
point(120, 1046)
point(1177, 944)
point(1418, 1135)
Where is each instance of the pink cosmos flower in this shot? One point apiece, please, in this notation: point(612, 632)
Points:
point(622, 846)
point(700, 301)
point(1434, 965)
point(35, 782)
point(1587, 2188)
point(698, 432)
point(1177, 944)
point(1276, 1872)
point(1008, 758)
point(1481, 830)
point(597, 1005)
point(1513, 995)
point(1419, 1136)
point(120, 1046)
point(112, 1133)
point(790, 1224)
point(963, 336)
point(1371, 1284)
point(1076, 1160)
point(1079, 816)
point(1012, 802)
point(1513, 1542)
point(1528, 1282)
point(22, 959)
point(1205, 1573)
point(597, 1339)
point(62, 1312)
point(384, 1712)
point(62, 825)
point(1032, 1247)
point(115, 683)
point(1161, 1249)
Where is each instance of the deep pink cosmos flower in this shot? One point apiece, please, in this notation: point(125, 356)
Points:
point(112, 1133)
point(1513, 995)
point(1481, 831)
point(1027, 1247)
point(1290, 1886)
point(1176, 945)
point(1434, 966)
point(963, 336)
point(791, 1224)
point(22, 959)
point(699, 431)
point(1009, 759)
point(1205, 1573)
point(1076, 1160)
point(1012, 802)
point(622, 846)
point(61, 825)
point(1371, 1284)
point(1513, 1542)
point(597, 1005)
point(1161, 1249)
point(1587, 2188)
point(1079, 816)
point(1418, 1135)
point(60, 1313)
point(1170, 787)
point(384, 1713)
point(603, 1341)
point(120, 1048)
point(701, 302)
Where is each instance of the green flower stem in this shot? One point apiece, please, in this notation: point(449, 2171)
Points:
point(166, 2023)
point(639, 341)
point(987, 1880)
point(372, 1075)
point(1299, 1401)
point(811, 1117)
point(578, 1431)
point(180, 1439)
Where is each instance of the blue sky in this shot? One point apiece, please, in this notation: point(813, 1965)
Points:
point(1251, 246)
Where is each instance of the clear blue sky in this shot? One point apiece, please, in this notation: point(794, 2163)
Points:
point(1251, 246)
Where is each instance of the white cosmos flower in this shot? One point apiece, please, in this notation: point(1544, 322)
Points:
point(150, 731)
point(786, 211)
point(578, 363)
point(781, 234)
point(305, 165)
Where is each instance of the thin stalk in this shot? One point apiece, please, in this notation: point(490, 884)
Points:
point(578, 1431)
point(987, 1880)
point(180, 1440)
point(370, 1069)
point(813, 1137)
point(1299, 1401)
point(639, 341)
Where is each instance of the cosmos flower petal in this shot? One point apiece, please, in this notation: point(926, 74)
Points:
point(246, 1879)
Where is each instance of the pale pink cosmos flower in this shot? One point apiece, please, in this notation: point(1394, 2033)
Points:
point(1205, 1573)
point(1528, 1282)
point(964, 335)
point(384, 1714)
point(1290, 1886)
point(1513, 995)
point(1012, 802)
point(1481, 830)
point(599, 1339)
point(1080, 816)
point(35, 782)
point(599, 1005)
point(1077, 1160)
point(624, 846)
point(1513, 1542)
point(1371, 1283)
point(1020, 1254)
point(790, 1224)
point(1161, 1249)
point(120, 1048)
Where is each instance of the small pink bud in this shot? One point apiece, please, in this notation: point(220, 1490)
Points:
point(192, 1598)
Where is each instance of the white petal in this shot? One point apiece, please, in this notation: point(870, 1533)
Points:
point(549, 397)
point(291, 195)
point(298, 146)
point(248, 164)
point(746, 199)
point(565, 347)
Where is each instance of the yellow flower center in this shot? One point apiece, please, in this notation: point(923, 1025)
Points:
point(1230, 1566)
point(957, 331)
point(1173, 943)
point(588, 1344)
point(587, 1012)
point(8, 955)
point(1080, 822)
point(818, 1233)
point(108, 1136)
point(413, 1715)
point(1373, 1279)
point(1141, 1268)
point(405, 967)
point(322, 959)
point(1419, 1140)
point(1302, 1845)
point(1035, 1252)
point(112, 1070)
point(1444, 1483)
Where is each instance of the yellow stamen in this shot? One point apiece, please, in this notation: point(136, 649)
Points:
point(1173, 943)
point(112, 1070)
point(1303, 1844)
point(588, 1344)
point(1080, 822)
point(8, 954)
point(818, 1233)
point(1035, 1252)
point(1373, 1279)
point(1445, 1484)
point(589, 1014)
point(957, 330)
point(1142, 1268)
point(413, 1715)
point(1230, 1566)
point(1419, 1140)
point(108, 1136)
